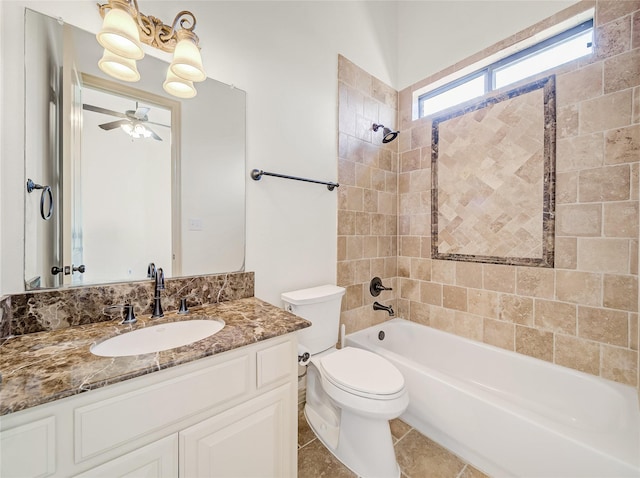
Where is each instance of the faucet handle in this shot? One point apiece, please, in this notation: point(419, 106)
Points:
point(131, 316)
point(183, 306)
point(128, 309)
point(375, 287)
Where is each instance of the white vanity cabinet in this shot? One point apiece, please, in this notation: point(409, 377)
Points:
point(232, 414)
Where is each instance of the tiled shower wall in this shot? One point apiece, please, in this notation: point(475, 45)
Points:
point(583, 313)
point(368, 195)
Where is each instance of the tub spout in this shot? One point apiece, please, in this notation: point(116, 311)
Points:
point(388, 308)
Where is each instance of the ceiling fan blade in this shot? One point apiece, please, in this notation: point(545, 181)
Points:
point(104, 111)
point(153, 134)
point(157, 124)
point(141, 112)
point(113, 124)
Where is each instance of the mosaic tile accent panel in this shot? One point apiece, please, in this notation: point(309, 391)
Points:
point(493, 175)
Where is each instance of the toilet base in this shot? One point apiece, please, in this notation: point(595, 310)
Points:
point(362, 444)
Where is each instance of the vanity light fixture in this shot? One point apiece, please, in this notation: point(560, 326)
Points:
point(125, 28)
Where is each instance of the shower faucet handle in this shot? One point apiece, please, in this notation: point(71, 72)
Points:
point(375, 287)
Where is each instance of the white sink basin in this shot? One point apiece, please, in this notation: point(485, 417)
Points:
point(157, 338)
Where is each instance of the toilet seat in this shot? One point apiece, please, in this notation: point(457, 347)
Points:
point(363, 373)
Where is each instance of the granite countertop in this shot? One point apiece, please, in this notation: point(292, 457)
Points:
point(45, 366)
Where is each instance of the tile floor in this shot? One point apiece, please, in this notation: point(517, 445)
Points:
point(417, 456)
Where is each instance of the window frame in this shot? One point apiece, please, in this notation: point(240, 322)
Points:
point(489, 71)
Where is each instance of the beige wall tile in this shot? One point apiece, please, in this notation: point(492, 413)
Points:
point(346, 222)
point(469, 274)
point(611, 183)
point(580, 152)
point(579, 220)
point(454, 297)
point(603, 325)
point(613, 38)
point(404, 267)
point(363, 271)
point(578, 354)
point(353, 297)
point(419, 312)
point(499, 278)
point(535, 282)
point(410, 160)
point(579, 287)
point(633, 331)
point(442, 319)
point(410, 246)
point(421, 136)
point(354, 247)
point(498, 333)
point(535, 343)
point(431, 293)
point(567, 121)
point(566, 253)
point(620, 365)
point(363, 223)
point(469, 326)
point(620, 292)
point(342, 248)
point(635, 40)
point(622, 71)
point(621, 219)
point(579, 85)
point(410, 289)
point(636, 103)
point(567, 187)
point(555, 316)
point(420, 180)
point(346, 273)
point(603, 255)
point(622, 145)
point(606, 112)
point(443, 271)
point(516, 309)
point(609, 10)
point(484, 303)
point(420, 269)
point(370, 246)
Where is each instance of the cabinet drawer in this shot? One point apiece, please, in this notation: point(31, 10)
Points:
point(156, 460)
point(274, 363)
point(29, 449)
point(110, 423)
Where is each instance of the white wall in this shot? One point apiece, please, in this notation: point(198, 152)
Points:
point(435, 34)
point(284, 55)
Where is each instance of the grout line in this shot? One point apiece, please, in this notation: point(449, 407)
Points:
point(462, 471)
point(300, 447)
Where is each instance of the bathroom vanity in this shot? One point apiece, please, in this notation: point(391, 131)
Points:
point(223, 406)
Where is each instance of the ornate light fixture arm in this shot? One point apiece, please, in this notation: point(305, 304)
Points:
point(154, 31)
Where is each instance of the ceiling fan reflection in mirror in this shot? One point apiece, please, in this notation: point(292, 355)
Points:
point(133, 122)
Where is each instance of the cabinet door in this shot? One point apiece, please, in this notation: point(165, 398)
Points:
point(156, 460)
point(254, 439)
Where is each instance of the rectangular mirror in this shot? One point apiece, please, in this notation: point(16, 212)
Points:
point(117, 202)
point(493, 179)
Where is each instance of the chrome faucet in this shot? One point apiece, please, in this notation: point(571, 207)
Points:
point(388, 308)
point(159, 285)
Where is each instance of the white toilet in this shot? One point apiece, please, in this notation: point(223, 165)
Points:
point(351, 393)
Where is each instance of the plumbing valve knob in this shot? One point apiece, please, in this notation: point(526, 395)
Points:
point(375, 287)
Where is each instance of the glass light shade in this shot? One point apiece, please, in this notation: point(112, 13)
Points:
point(120, 34)
point(176, 86)
point(187, 61)
point(120, 68)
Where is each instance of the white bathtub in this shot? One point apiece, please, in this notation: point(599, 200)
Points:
point(508, 414)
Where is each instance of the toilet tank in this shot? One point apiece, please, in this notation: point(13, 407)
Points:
point(321, 306)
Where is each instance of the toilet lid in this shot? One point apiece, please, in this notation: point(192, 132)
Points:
point(358, 369)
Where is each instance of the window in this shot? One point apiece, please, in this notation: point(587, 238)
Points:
point(555, 51)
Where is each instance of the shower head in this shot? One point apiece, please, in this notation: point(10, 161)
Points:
point(388, 135)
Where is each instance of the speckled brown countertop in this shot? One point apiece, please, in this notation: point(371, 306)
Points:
point(42, 367)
